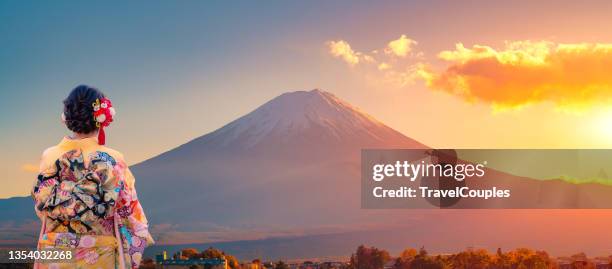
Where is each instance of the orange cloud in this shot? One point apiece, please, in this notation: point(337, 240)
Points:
point(524, 72)
point(28, 167)
point(396, 64)
point(401, 46)
point(383, 66)
point(342, 49)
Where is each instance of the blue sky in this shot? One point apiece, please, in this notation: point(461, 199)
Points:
point(174, 71)
point(177, 70)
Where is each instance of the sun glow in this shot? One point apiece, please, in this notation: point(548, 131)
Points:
point(602, 125)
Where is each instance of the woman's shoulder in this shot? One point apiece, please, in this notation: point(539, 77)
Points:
point(51, 154)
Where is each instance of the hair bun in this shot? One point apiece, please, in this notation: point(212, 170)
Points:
point(78, 111)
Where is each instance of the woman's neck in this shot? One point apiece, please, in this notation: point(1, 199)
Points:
point(76, 136)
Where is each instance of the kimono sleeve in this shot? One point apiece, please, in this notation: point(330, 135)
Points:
point(44, 185)
point(133, 225)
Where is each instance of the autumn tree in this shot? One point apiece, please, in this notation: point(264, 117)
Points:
point(423, 261)
point(190, 253)
point(501, 260)
point(477, 259)
point(369, 258)
point(232, 262)
point(209, 253)
point(405, 258)
point(212, 253)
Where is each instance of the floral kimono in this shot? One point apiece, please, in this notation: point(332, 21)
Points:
point(86, 200)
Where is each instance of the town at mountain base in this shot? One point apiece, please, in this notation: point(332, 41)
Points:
point(374, 258)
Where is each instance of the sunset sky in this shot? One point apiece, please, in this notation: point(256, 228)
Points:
point(455, 74)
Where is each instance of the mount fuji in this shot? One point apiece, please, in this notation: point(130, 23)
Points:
point(296, 123)
point(289, 167)
point(284, 182)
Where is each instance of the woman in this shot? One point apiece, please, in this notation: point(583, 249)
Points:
point(85, 195)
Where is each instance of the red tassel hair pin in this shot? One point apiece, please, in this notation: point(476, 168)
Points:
point(103, 115)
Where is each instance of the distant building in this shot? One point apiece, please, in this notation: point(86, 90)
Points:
point(603, 262)
point(581, 261)
point(332, 265)
point(162, 256)
point(162, 262)
point(309, 265)
point(390, 264)
point(565, 262)
point(294, 266)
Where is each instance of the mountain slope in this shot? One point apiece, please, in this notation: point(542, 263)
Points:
point(289, 167)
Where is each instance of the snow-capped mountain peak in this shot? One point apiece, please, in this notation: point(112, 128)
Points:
point(316, 114)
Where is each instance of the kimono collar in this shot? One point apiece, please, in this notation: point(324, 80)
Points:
point(84, 143)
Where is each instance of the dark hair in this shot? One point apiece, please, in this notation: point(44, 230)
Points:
point(78, 109)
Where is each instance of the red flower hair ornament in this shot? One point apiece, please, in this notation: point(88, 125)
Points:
point(103, 113)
